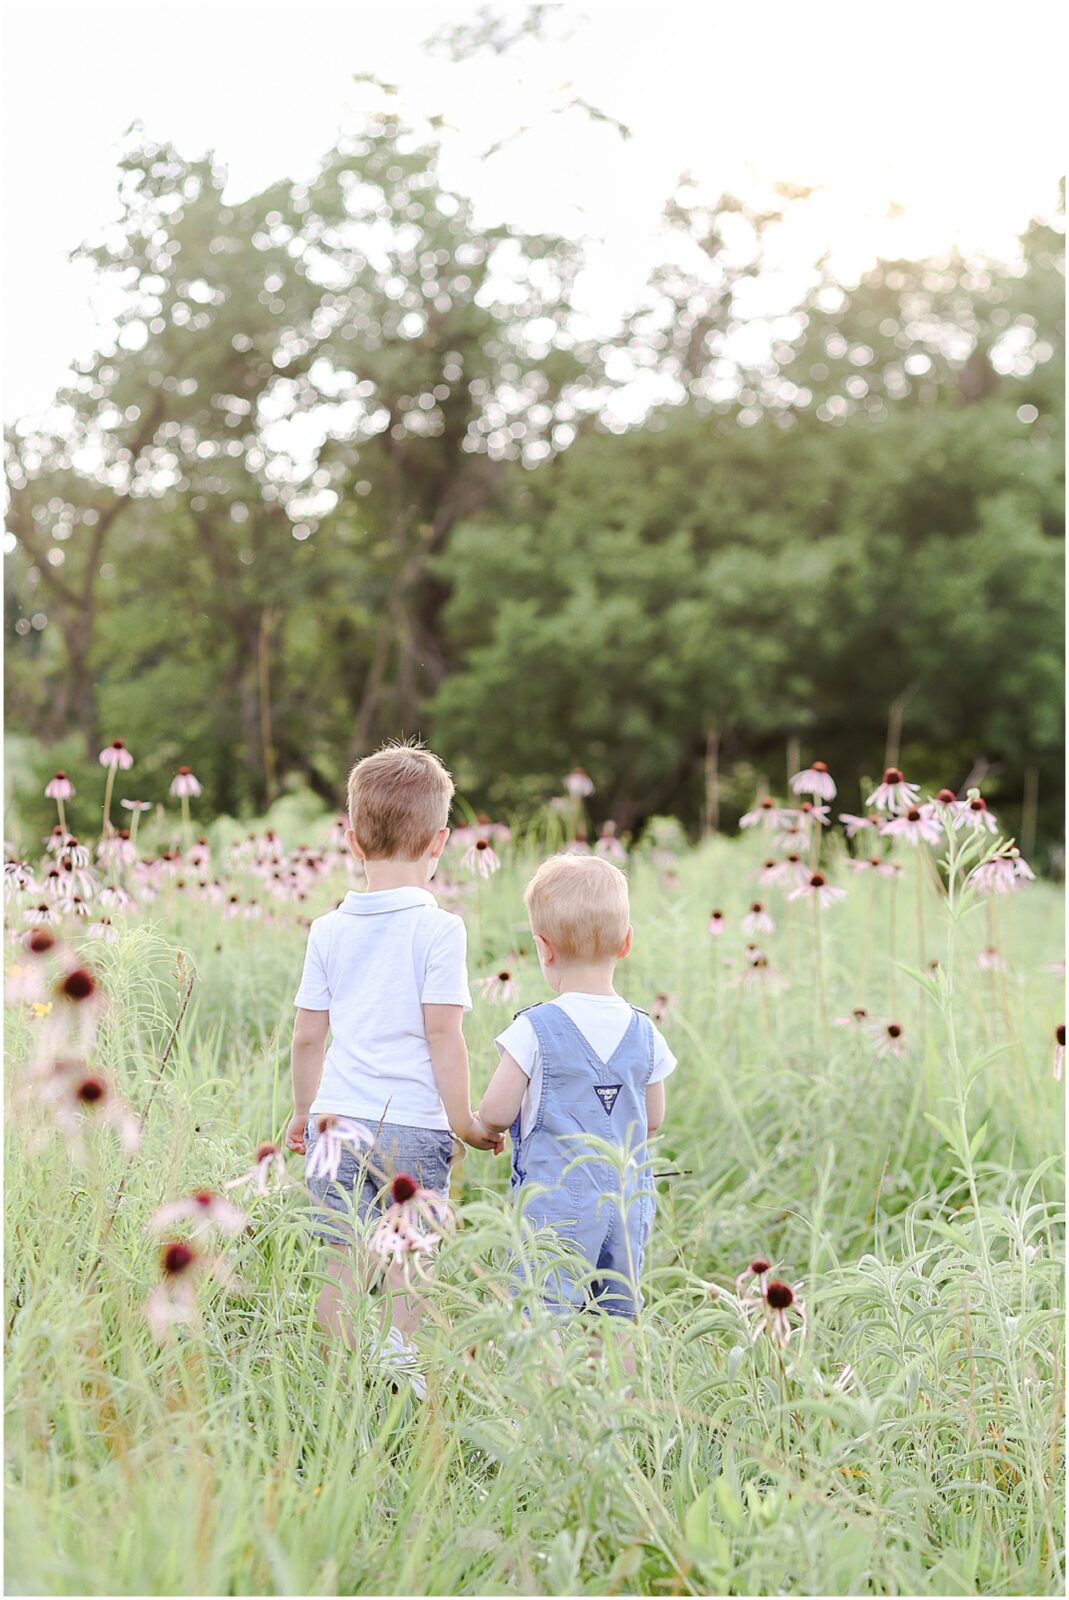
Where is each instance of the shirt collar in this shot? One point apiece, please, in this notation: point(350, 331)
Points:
point(371, 903)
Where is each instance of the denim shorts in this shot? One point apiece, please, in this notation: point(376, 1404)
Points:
point(364, 1174)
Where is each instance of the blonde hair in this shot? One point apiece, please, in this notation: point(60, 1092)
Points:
point(398, 800)
point(580, 904)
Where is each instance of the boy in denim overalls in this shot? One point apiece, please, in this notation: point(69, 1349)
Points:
point(584, 1063)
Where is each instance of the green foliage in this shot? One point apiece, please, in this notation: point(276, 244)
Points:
point(919, 1200)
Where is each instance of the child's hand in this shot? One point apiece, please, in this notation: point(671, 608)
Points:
point(295, 1132)
point(478, 1135)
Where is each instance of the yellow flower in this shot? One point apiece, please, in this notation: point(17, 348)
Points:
point(41, 1008)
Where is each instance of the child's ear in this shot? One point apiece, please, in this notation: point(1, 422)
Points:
point(545, 949)
point(439, 844)
point(350, 839)
point(626, 946)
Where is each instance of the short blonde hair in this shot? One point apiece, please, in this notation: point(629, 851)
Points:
point(398, 800)
point(580, 904)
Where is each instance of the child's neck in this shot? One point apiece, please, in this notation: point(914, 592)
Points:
point(395, 875)
point(579, 978)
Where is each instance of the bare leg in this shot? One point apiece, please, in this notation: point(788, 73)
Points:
point(401, 1304)
point(347, 1278)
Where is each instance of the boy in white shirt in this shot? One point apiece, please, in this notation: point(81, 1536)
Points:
point(386, 975)
point(584, 1063)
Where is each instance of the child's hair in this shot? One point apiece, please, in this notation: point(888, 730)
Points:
point(398, 800)
point(579, 903)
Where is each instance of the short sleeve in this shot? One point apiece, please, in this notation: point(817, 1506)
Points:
point(521, 1042)
point(314, 991)
point(664, 1061)
point(445, 979)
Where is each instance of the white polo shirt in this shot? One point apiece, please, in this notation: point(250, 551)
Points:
point(373, 964)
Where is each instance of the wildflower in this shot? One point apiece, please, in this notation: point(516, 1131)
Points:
point(59, 787)
point(136, 805)
point(759, 1268)
point(854, 824)
point(858, 1018)
point(819, 889)
point(816, 779)
point(578, 784)
point(916, 824)
point(767, 812)
point(608, 845)
point(174, 1298)
point(90, 1096)
point(973, 813)
point(807, 813)
point(662, 1004)
point(204, 1210)
point(335, 1133)
point(498, 988)
point(38, 915)
point(893, 793)
point(77, 986)
point(57, 841)
point(480, 858)
point(757, 920)
point(1058, 1061)
point(268, 1163)
point(877, 864)
point(184, 785)
point(716, 923)
point(889, 1038)
point(1000, 875)
point(770, 1311)
point(944, 800)
point(40, 942)
point(759, 973)
point(989, 960)
point(102, 930)
point(116, 755)
point(19, 878)
point(412, 1226)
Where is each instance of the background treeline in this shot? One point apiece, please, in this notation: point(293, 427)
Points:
point(350, 471)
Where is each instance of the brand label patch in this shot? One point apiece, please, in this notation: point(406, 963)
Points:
point(606, 1093)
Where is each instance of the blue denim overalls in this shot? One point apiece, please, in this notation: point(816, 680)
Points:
point(581, 1094)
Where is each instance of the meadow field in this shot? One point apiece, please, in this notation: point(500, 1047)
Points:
point(905, 1180)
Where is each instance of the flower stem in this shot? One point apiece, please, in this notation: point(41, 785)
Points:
point(108, 786)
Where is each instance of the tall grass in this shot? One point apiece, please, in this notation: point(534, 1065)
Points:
point(917, 1198)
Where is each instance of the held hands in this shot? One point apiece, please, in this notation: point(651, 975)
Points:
point(478, 1135)
point(295, 1132)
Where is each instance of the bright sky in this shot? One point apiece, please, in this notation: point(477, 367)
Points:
point(948, 108)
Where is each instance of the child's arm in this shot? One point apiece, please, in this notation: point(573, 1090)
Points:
point(306, 1067)
point(500, 1105)
point(449, 1058)
point(655, 1099)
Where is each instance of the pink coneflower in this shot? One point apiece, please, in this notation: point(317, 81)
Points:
point(1058, 1061)
point(91, 1098)
point(944, 800)
point(19, 878)
point(771, 1309)
point(819, 889)
point(973, 813)
point(858, 1019)
point(205, 1210)
point(174, 1299)
point(759, 973)
point(579, 784)
point(335, 1135)
point(915, 824)
point(854, 824)
point(608, 845)
point(989, 960)
point(39, 915)
point(59, 787)
point(888, 1037)
point(102, 930)
point(115, 897)
point(757, 920)
point(412, 1226)
point(73, 854)
point(199, 855)
point(1000, 875)
point(269, 1166)
point(480, 858)
point(877, 864)
point(184, 785)
point(498, 988)
point(716, 923)
point(759, 1268)
point(767, 812)
point(57, 841)
point(894, 793)
point(136, 805)
point(116, 755)
point(660, 1006)
point(816, 779)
